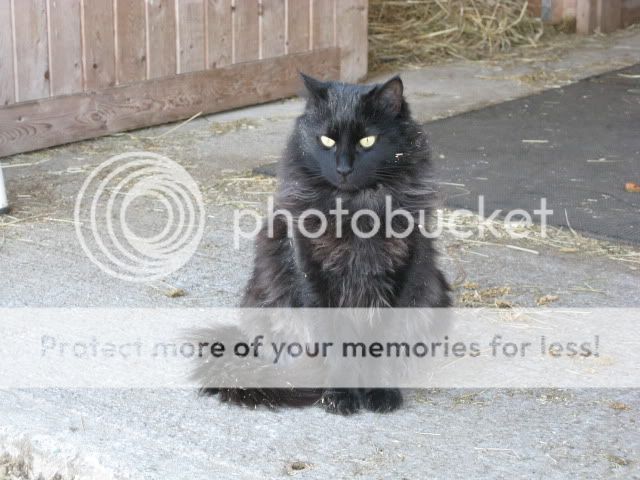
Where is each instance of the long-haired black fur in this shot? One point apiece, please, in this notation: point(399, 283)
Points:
point(358, 143)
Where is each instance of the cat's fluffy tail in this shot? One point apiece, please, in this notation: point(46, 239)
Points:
point(270, 397)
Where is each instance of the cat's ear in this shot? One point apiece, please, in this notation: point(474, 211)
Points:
point(315, 89)
point(389, 95)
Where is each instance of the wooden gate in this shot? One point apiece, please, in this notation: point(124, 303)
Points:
point(76, 69)
point(604, 16)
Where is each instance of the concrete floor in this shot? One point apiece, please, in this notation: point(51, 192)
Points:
point(440, 434)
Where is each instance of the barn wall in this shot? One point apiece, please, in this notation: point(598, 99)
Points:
point(126, 64)
point(630, 12)
point(590, 15)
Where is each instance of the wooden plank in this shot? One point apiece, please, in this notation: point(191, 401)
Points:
point(569, 9)
point(609, 15)
point(7, 80)
point(131, 51)
point(32, 49)
point(352, 38)
point(598, 15)
point(630, 12)
point(219, 33)
point(39, 124)
point(66, 47)
point(586, 16)
point(557, 9)
point(322, 27)
point(553, 11)
point(273, 28)
point(298, 27)
point(246, 31)
point(161, 28)
point(191, 32)
point(99, 44)
point(546, 11)
point(535, 7)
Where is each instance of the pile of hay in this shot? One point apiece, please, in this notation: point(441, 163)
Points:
point(417, 32)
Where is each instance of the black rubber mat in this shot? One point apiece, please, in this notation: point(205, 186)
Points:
point(576, 146)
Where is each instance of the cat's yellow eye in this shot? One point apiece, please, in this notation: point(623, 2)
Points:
point(327, 142)
point(367, 142)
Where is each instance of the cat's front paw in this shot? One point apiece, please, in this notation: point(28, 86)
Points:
point(382, 400)
point(341, 401)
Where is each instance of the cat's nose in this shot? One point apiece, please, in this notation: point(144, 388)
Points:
point(344, 170)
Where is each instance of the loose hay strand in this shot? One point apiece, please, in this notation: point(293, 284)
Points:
point(412, 33)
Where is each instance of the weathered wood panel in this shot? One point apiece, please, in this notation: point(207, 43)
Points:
point(32, 49)
point(550, 10)
point(74, 69)
point(322, 28)
point(630, 12)
point(554, 11)
point(298, 29)
point(219, 38)
point(66, 47)
point(131, 51)
point(352, 38)
point(7, 80)
point(191, 20)
point(246, 31)
point(99, 44)
point(535, 7)
point(273, 28)
point(586, 16)
point(161, 30)
point(569, 9)
point(43, 123)
point(609, 15)
point(598, 15)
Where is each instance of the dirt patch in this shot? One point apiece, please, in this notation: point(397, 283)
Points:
point(221, 128)
point(474, 296)
point(241, 190)
point(533, 239)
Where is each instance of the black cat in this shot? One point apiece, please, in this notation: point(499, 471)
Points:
point(358, 144)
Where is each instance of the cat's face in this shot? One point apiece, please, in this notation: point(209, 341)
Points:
point(349, 135)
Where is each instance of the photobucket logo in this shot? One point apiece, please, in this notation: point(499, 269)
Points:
point(135, 192)
point(367, 223)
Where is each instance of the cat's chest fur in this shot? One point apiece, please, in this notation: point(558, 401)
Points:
point(354, 271)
